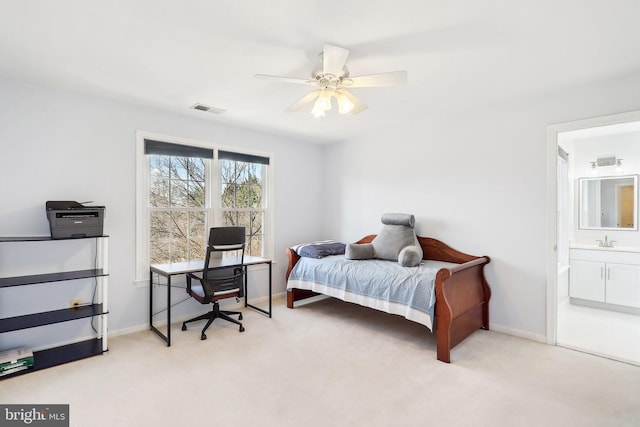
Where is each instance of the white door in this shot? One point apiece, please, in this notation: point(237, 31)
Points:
point(587, 280)
point(623, 284)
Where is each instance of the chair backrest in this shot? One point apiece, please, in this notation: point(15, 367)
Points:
point(224, 239)
point(227, 236)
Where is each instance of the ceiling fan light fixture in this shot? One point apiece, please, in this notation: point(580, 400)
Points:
point(324, 100)
point(322, 104)
point(345, 106)
point(317, 113)
point(332, 79)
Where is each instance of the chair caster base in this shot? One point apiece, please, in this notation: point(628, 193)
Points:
point(203, 337)
point(240, 316)
point(241, 328)
point(184, 327)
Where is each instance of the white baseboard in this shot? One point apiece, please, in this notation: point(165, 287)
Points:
point(518, 333)
point(279, 296)
point(183, 317)
point(596, 353)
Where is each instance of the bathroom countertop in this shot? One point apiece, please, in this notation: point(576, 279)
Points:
point(595, 247)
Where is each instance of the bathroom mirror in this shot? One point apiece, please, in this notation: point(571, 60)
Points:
point(609, 203)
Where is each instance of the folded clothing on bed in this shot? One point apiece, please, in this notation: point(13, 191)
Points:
point(319, 249)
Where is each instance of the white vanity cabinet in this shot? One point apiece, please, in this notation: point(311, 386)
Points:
point(606, 276)
point(587, 280)
point(623, 285)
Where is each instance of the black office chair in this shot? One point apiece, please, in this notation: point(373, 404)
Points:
point(215, 283)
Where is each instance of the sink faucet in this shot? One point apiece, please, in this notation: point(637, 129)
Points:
point(606, 243)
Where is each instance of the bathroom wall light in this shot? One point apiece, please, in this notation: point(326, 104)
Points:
point(606, 161)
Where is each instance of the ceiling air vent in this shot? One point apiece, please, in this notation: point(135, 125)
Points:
point(208, 109)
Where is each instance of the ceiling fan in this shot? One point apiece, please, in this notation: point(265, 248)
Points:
point(332, 80)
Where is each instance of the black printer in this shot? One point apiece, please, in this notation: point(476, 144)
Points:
point(68, 220)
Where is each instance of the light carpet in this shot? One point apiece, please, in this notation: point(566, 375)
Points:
point(331, 363)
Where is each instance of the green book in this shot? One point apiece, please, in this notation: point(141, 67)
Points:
point(15, 360)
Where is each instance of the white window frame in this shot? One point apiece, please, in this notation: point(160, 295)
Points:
point(214, 211)
point(265, 178)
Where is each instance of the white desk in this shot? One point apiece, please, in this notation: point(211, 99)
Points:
point(177, 268)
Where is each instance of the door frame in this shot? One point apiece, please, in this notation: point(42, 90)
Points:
point(553, 132)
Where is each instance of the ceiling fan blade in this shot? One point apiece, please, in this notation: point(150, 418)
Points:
point(286, 79)
point(333, 59)
point(393, 78)
point(358, 106)
point(304, 101)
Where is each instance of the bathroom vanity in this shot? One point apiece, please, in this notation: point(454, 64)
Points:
point(605, 277)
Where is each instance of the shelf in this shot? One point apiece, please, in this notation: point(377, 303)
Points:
point(64, 353)
point(49, 317)
point(41, 238)
point(50, 277)
point(59, 355)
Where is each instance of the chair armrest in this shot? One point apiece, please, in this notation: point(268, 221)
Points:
point(189, 277)
point(194, 276)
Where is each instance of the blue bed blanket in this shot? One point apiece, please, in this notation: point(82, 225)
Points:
point(383, 285)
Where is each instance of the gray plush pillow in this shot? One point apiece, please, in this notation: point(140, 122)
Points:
point(396, 235)
point(410, 256)
point(359, 251)
point(391, 240)
point(398, 219)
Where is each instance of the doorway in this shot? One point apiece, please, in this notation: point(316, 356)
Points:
point(626, 196)
point(573, 322)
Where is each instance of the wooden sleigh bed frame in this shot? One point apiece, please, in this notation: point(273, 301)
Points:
point(462, 293)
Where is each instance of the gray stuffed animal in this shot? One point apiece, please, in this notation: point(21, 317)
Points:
point(397, 241)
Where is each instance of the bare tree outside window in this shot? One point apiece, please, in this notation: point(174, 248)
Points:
point(242, 200)
point(178, 213)
point(178, 208)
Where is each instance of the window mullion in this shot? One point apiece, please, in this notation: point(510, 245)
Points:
point(215, 192)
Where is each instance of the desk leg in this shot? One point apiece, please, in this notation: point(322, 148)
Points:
point(167, 337)
point(169, 311)
point(151, 300)
point(270, 292)
point(246, 297)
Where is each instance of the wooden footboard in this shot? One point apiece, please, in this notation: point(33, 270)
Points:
point(462, 304)
point(462, 293)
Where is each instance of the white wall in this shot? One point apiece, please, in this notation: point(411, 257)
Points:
point(59, 145)
point(474, 179)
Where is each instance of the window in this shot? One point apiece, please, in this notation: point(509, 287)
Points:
point(178, 210)
point(186, 187)
point(242, 199)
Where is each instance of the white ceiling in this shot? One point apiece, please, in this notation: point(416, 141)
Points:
point(459, 54)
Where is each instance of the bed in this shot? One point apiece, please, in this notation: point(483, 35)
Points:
point(448, 292)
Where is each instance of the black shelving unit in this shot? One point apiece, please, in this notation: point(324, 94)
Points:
point(6, 282)
point(50, 317)
point(65, 353)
